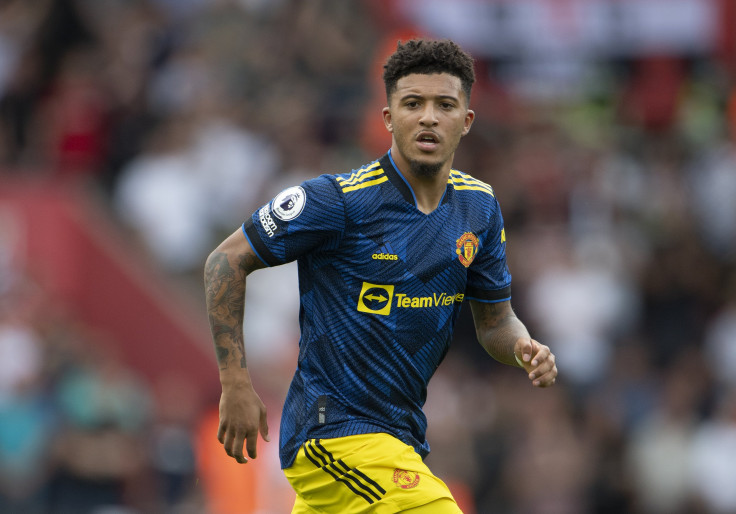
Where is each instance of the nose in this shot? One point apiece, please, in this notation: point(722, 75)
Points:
point(429, 117)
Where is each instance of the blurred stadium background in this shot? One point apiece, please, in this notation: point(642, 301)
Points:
point(136, 134)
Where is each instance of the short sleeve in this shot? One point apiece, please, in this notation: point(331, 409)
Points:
point(489, 279)
point(300, 219)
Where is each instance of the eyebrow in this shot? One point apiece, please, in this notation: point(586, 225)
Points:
point(417, 95)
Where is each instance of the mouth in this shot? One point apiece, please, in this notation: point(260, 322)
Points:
point(428, 140)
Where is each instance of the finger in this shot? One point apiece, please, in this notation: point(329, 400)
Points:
point(542, 354)
point(221, 432)
point(526, 350)
point(546, 379)
point(264, 426)
point(234, 445)
point(545, 363)
point(250, 445)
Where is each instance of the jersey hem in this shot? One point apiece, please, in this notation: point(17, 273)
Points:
point(346, 429)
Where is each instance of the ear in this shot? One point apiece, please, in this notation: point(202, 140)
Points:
point(387, 119)
point(469, 117)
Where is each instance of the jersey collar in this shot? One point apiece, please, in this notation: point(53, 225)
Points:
point(400, 182)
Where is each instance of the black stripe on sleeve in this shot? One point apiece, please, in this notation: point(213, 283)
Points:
point(485, 295)
point(254, 238)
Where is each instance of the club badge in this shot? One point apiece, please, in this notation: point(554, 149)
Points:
point(467, 248)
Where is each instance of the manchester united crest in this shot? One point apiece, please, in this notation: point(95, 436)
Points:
point(405, 479)
point(467, 248)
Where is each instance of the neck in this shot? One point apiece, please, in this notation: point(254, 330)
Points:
point(428, 185)
point(428, 194)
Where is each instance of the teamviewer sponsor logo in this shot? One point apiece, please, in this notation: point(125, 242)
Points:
point(376, 299)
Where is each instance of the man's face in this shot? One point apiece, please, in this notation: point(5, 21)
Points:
point(427, 115)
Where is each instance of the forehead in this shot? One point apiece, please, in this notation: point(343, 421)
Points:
point(434, 84)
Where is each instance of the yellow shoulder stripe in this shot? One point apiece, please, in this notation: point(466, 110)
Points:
point(368, 183)
point(365, 177)
point(462, 181)
point(359, 174)
point(361, 178)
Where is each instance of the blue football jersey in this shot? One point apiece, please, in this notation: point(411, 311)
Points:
point(381, 286)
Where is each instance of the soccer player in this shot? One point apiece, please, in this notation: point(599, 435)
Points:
point(386, 255)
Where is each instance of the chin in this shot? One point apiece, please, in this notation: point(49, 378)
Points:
point(425, 169)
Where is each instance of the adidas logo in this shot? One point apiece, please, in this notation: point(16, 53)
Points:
point(386, 253)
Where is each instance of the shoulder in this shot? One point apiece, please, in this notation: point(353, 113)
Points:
point(476, 195)
point(355, 187)
point(363, 178)
point(461, 181)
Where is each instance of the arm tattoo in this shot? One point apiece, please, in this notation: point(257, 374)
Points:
point(225, 295)
point(498, 328)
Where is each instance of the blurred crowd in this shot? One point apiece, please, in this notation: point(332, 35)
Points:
point(617, 184)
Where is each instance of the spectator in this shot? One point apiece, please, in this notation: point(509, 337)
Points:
point(100, 450)
point(713, 470)
point(659, 448)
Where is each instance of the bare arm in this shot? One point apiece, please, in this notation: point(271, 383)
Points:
point(507, 340)
point(224, 278)
point(242, 413)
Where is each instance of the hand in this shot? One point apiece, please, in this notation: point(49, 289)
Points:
point(537, 360)
point(242, 416)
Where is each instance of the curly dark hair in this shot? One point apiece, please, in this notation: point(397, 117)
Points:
point(427, 57)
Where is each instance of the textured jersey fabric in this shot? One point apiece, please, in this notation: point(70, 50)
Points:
point(381, 286)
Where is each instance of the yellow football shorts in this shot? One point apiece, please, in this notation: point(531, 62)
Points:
point(373, 473)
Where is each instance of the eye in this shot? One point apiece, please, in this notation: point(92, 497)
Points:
point(447, 105)
point(412, 104)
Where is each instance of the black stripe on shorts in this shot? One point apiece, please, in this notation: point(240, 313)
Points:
point(353, 479)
